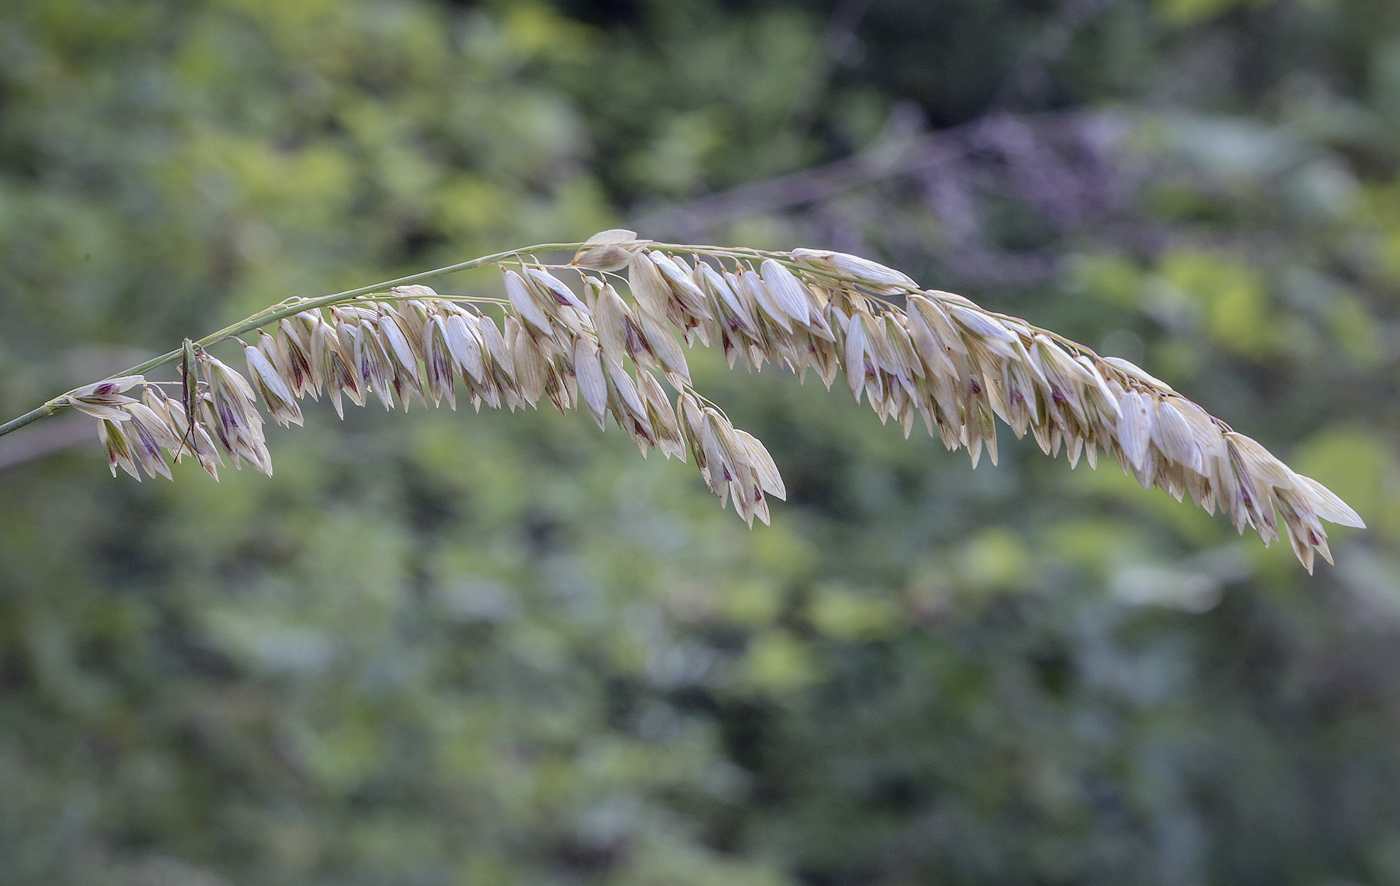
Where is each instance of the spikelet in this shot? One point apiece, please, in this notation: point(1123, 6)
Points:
point(608, 250)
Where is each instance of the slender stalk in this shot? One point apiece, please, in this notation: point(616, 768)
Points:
point(287, 309)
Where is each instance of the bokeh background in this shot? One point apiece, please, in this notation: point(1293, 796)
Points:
point(451, 648)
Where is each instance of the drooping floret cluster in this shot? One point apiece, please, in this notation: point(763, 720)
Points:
point(939, 358)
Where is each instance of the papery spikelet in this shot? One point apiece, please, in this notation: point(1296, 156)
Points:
point(687, 306)
point(465, 345)
point(104, 399)
point(149, 439)
point(592, 385)
point(872, 275)
point(661, 416)
point(291, 344)
point(610, 250)
point(526, 303)
point(272, 383)
point(118, 448)
point(437, 362)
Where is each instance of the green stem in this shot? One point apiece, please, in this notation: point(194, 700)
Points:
point(286, 309)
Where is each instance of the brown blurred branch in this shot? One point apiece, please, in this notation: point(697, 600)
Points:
point(904, 148)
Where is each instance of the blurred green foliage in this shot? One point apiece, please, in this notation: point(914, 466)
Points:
point(450, 648)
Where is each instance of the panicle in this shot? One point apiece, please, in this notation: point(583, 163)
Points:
point(938, 358)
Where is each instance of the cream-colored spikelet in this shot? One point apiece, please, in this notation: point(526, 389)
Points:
point(938, 358)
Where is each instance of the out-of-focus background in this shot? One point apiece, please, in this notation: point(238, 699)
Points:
point(451, 648)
